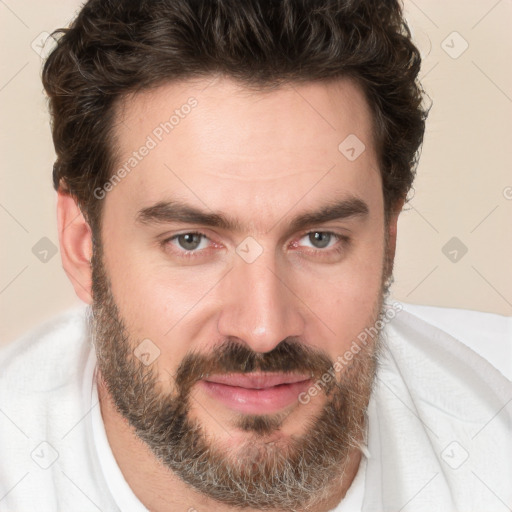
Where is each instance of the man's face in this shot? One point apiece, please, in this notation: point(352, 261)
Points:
point(207, 332)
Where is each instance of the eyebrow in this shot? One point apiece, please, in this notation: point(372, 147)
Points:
point(165, 212)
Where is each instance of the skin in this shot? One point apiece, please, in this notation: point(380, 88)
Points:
point(262, 159)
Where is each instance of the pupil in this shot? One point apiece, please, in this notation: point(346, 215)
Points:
point(190, 240)
point(320, 239)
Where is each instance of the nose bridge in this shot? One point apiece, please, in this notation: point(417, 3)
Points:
point(257, 307)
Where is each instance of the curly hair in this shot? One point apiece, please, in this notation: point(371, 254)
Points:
point(114, 48)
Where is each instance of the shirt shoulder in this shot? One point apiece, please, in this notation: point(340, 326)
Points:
point(47, 357)
point(48, 462)
point(487, 334)
point(442, 394)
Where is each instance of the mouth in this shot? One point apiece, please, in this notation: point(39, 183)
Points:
point(256, 393)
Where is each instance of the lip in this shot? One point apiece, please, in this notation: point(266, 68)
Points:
point(256, 393)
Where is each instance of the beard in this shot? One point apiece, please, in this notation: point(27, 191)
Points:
point(293, 472)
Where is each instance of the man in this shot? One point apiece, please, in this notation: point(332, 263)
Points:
point(229, 179)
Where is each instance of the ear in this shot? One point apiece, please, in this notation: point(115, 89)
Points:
point(392, 230)
point(75, 239)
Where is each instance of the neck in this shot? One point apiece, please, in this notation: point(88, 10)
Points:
point(160, 490)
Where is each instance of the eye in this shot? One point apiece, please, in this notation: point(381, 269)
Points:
point(324, 245)
point(194, 244)
point(320, 239)
point(189, 242)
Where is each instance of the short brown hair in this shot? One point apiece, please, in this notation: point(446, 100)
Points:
point(118, 47)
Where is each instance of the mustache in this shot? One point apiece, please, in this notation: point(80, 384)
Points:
point(231, 356)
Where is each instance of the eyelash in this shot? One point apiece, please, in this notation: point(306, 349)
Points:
point(344, 242)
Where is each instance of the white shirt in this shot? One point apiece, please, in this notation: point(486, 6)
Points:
point(439, 434)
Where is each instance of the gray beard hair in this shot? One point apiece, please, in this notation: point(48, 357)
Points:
point(293, 474)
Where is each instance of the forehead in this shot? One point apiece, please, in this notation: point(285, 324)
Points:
point(214, 139)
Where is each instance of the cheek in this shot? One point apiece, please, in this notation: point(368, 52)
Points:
point(156, 303)
point(149, 292)
point(160, 303)
point(359, 284)
point(345, 297)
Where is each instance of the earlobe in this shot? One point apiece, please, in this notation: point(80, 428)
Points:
point(75, 240)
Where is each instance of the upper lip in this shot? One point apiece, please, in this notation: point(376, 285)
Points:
point(257, 380)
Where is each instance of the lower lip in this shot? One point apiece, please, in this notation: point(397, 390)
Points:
point(256, 401)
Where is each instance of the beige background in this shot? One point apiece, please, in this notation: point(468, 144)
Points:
point(463, 189)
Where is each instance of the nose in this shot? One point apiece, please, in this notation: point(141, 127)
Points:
point(258, 305)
